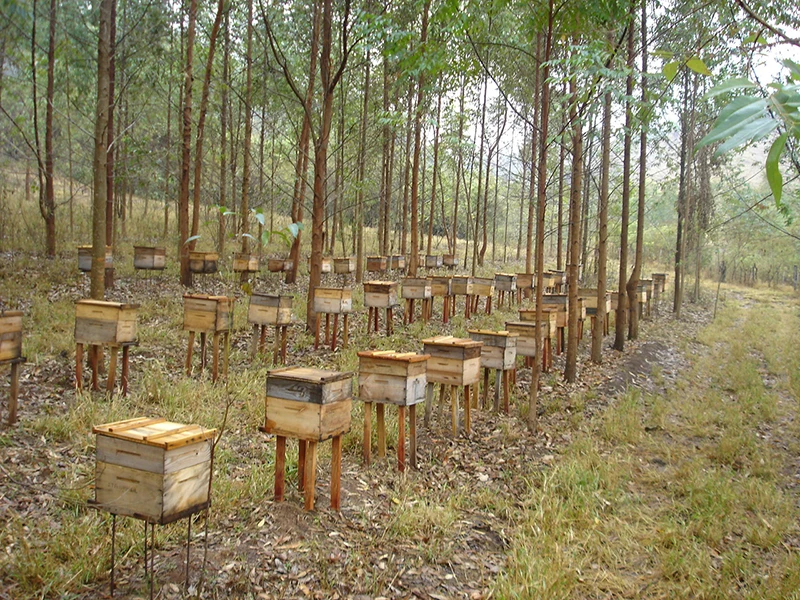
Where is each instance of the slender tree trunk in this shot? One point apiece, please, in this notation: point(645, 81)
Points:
point(435, 171)
point(459, 165)
point(223, 135)
point(69, 155)
point(683, 193)
point(534, 137)
point(362, 173)
point(575, 195)
point(244, 207)
point(480, 219)
point(407, 170)
point(560, 218)
point(523, 170)
point(49, 192)
point(602, 238)
point(183, 198)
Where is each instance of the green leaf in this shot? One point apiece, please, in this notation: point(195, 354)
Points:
point(728, 85)
point(191, 239)
point(294, 229)
point(670, 70)
point(738, 113)
point(755, 37)
point(698, 66)
point(750, 132)
point(774, 177)
point(794, 69)
point(260, 218)
point(247, 235)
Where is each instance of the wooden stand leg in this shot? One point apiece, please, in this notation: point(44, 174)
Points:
point(389, 324)
point(301, 465)
point(497, 377)
point(94, 359)
point(380, 415)
point(377, 320)
point(262, 339)
point(454, 409)
point(412, 435)
point(284, 341)
point(189, 352)
point(327, 328)
point(506, 391)
point(310, 474)
point(254, 341)
point(112, 369)
point(226, 353)
point(446, 309)
point(13, 394)
point(401, 438)
point(367, 442)
point(203, 352)
point(280, 467)
point(346, 330)
point(428, 405)
point(336, 473)
point(467, 412)
point(316, 333)
point(369, 319)
point(79, 366)
point(485, 388)
point(335, 331)
point(125, 369)
point(277, 348)
point(411, 312)
point(214, 357)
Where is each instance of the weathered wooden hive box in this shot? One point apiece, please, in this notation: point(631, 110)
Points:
point(150, 258)
point(453, 361)
point(462, 286)
point(560, 312)
point(269, 309)
point(342, 266)
point(505, 282)
point(207, 314)
point(525, 281)
point(499, 350)
point(551, 316)
point(450, 260)
point(614, 300)
point(548, 281)
point(659, 280)
point(433, 261)
point(589, 296)
point(441, 286)
point(558, 277)
point(85, 258)
point(416, 288)
point(325, 264)
point(377, 263)
point(482, 286)
point(10, 335)
point(558, 300)
point(308, 404)
point(333, 300)
point(526, 330)
point(100, 322)
point(203, 262)
point(245, 263)
point(279, 265)
point(390, 377)
point(152, 469)
point(397, 261)
point(380, 294)
point(647, 286)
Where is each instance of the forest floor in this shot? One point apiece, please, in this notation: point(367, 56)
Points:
point(671, 470)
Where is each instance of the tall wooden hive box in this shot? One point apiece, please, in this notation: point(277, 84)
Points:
point(150, 258)
point(499, 350)
point(380, 294)
point(482, 286)
point(10, 335)
point(647, 285)
point(433, 261)
point(85, 258)
point(245, 263)
point(152, 469)
point(333, 300)
point(279, 265)
point(342, 266)
point(397, 261)
point(548, 282)
point(390, 377)
point(614, 300)
point(441, 286)
point(207, 314)
point(308, 404)
point(203, 262)
point(526, 330)
point(99, 322)
point(416, 288)
point(462, 286)
point(525, 281)
point(660, 280)
point(450, 260)
point(377, 263)
point(269, 309)
point(453, 361)
point(505, 282)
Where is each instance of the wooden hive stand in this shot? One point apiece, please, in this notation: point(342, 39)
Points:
point(525, 283)
point(333, 301)
point(153, 470)
point(453, 362)
point(11, 355)
point(442, 287)
point(377, 264)
point(389, 377)
point(498, 353)
point(99, 324)
point(149, 258)
point(397, 262)
point(270, 310)
point(482, 287)
point(505, 283)
point(208, 314)
point(413, 289)
point(312, 406)
point(380, 295)
point(526, 342)
point(463, 286)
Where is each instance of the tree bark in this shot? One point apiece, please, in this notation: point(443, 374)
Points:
point(362, 173)
point(244, 207)
point(435, 171)
point(223, 137)
point(602, 237)
point(49, 192)
point(534, 138)
point(183, 197)
point(575, 196)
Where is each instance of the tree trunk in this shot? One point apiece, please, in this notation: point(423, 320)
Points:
point(459, 165)
point(560, 218)
point(362, 173)
point(435, 170)
point(407, 170)
point(602, 236)
point(534, 138)
point(523, 170)
point(223, 136)
point(480, 197)
point(244, 207)
point(183, 198)
point(49, 192)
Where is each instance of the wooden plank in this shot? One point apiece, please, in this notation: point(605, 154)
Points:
point(131, 492)
point(402, 391)
point(184, 490)
point(309, 391)
point(305, 420)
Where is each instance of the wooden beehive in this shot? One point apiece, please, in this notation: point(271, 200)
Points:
point(150, 258)
point(99, 322)
point(548, 281)
point(450, 260)
point(526, 330)
point(559, 277)
point(462, 286)
point(525, 281)
point(659, 280)
point(380, 294)
point(499, 349)
point(245, 263)
point(269, 309)
point(377, 263)
point(333, 300)
point(10, 335)
point(325, 264)
point(505, 282)
point(308, 404)
point(416, 288)
point(453, 361)
point(441, 286)
point(614, 300)
point(433, 261)
point(560, 312)
point(279, 265)
point(397, 261)
point(203, 262)
point(560, 300)
point(647, 286)
point(85, 258)
point(152, 469)
point(482, 286)
point(207, 314)
point(342, 266)
point(390, 377)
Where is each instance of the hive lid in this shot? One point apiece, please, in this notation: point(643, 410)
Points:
point(156, 432)
point(409, 357)
point(105, 304)
point(11, 313)
point(491, 332)
point(308, 374)
point(377, 282)
point(207, 297)
point(449, 340)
